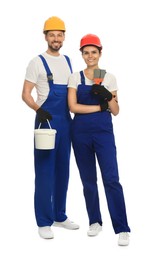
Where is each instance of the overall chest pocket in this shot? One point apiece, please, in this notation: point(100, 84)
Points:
point(60, 91)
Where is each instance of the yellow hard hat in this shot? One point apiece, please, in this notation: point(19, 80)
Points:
point(54, 24)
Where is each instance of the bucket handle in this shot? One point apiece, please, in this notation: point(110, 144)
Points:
point(48, 124)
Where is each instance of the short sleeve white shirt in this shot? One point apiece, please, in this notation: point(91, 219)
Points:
point(109, 81)
point(36, 73)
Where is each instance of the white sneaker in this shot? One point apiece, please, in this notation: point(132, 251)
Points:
point(45, 232)
point(66, 224)
point(123, 239)
point(94, 229)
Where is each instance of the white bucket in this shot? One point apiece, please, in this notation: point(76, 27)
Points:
point(45, 138)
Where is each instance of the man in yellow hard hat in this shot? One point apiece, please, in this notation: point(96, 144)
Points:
point(49, 74)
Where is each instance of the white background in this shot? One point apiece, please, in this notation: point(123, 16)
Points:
point(123, 29)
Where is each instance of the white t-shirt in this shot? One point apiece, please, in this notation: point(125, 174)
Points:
point(109, 81)
point(36, 73)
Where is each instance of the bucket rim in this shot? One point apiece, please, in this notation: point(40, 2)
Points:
point(45, 130)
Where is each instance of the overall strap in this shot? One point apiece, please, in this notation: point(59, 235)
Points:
point(49, 74)
point(82, 77)
point(68, 61)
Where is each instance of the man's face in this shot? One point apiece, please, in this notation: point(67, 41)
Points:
point(55, 40)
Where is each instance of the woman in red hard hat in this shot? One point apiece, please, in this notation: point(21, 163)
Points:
point(92, 97)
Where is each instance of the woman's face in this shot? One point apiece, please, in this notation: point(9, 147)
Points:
point(91, 55)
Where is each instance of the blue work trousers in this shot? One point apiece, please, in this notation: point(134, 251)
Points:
point(92, 138)
point(52, 166)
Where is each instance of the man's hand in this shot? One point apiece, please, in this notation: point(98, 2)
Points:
point(43, 115)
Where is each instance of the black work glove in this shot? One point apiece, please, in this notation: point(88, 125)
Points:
point(104, 105)
point(102, 91)
point(43, 115)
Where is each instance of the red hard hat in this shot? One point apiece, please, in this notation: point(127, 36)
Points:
point(90, 39)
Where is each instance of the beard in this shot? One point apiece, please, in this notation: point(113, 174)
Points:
point(54, 48)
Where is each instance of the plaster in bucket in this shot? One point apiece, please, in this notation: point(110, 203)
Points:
point(45, 137)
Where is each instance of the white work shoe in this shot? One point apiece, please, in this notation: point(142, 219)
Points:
point(66, 224)
point(94, 229)
point(45, 232)
point(123, 239)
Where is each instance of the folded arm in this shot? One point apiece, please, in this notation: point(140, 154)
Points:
point(79, 108)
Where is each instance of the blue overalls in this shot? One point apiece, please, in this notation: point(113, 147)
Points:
point(52, 166)
point(92, 134)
